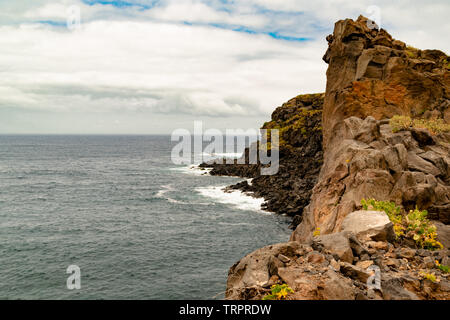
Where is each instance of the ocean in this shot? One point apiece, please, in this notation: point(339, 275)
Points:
point(137, 225)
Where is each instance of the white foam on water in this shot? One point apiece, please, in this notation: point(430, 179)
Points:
point(162, 194)
point(235, 198)
point(193, 170)
point(222, 155)
point(164, 190)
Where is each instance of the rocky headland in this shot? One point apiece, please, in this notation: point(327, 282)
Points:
point(365, 172)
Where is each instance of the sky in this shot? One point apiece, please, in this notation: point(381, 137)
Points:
point(150, 67)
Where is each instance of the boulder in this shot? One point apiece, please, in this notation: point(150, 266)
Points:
point(354, 272)
point(253, 269)
point(367, 225)
point(393, 289)
point(416, 163)
point(337, 287)
point(338, 243)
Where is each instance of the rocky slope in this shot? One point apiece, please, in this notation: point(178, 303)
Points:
point(369, 152)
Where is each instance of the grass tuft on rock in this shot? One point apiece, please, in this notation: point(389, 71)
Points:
point(435, 126)
point(412, 225)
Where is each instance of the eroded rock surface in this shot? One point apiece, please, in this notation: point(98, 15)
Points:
point(371, 77)
point(322, 272)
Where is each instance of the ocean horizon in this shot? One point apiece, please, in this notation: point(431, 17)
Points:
point(137, 225)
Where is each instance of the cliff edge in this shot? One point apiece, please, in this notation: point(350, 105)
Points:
point(380, 207)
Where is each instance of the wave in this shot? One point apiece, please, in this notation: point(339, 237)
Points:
point(192, 170)
point(235, 198)
point(223, 155)
point(162, 194)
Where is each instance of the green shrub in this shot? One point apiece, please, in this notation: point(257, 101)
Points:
point(429, 276)
point(413, 225)
point(278, 292)
point(443, 268)
point(422, 230)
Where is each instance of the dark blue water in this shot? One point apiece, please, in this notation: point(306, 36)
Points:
point(138, 226)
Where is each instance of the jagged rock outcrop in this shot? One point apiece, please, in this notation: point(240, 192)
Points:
point(287, 192)
point(371, 77)
point(315, 271)
point(371, 74)
point(363, 157)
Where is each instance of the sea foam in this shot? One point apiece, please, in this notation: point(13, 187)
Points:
point(234, 198)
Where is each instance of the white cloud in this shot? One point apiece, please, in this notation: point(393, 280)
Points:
point(133, 64)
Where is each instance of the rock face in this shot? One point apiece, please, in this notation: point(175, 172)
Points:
point(372, 77)
point(288, 191)
point(320, 270)
point(372, 74)
point(373, 162)
point(333, 251)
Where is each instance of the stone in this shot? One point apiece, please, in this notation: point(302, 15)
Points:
point(396, 157)
point(407, 253)
point(358, 248)
point(336, 287)
point(393, 289)
point(315, 257)
point(428, 262)
point(379, 245)
point(273, 265)
point(390, 262)
point(443, 233)
point(416, 163)
point(446, 261)
point(364, 264)
point(272, 281)
point(422, 136)
point(354, 272)
point(335, 265)
point(424, 253)
point(283, 258)
point(369, 225)
point(253, 269)
point(338, 243)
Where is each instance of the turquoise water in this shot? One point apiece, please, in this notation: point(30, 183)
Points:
point(138, 226)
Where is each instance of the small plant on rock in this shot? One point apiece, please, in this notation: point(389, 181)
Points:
point(421, 230)
point(393, 211)
point(278, 292)
point(316, 232)
point(413, 225)
point(399, 123)
point(435, 126)
point(429, 276)
point(443, 268)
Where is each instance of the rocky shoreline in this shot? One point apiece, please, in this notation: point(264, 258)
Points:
point(301, 157)
point(365, 172)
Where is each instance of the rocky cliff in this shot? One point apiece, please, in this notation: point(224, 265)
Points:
point(382, 196)
point(372, 77)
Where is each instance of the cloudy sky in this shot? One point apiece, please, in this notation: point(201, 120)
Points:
point(148, 66)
